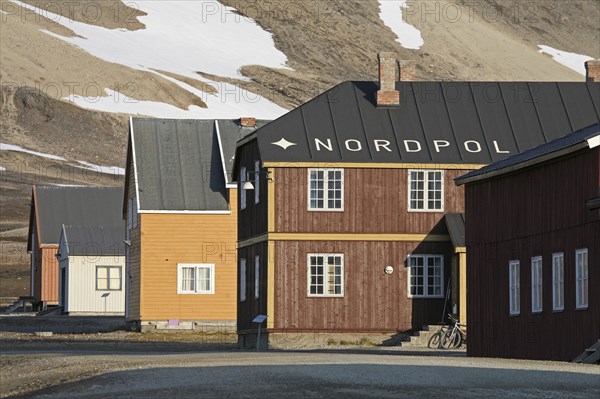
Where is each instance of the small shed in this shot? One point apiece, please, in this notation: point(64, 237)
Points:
point(92, 270)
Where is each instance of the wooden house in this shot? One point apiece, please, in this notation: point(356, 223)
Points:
point(181, 213)
point(51, 207)
point(91, 263)
point(354, 224)
point(533, 251)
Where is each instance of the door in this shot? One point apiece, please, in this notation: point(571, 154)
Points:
point(63, 288)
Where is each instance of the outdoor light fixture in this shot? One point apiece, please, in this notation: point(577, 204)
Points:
point(247, 184)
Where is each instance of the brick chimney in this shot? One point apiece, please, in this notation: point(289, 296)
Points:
point(247, 121)
point(387, 93)
point(592, 71)
point(408, 70)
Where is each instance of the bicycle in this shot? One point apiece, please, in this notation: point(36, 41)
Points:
point(448, 337)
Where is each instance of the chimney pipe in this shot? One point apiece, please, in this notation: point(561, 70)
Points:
point(247, 122)
point(592, 71)
point(387, 93)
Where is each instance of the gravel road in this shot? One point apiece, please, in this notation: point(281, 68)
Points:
point(46, 369)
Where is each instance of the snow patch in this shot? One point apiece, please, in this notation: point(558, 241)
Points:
point(10, 147)
point(183, 37)
point(2, 168)
point(390, 12)
point(113, 170)
point(573, 61)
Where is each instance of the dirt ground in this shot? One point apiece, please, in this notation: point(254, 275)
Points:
point(69, 367)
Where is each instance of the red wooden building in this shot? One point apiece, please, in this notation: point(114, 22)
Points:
point(353, 224)
point(533, 251)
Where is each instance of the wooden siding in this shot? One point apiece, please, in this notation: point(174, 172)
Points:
point(372, 301)
point(132, 268)
point(169, 239)
point(536, 212)
point(82, 295)
point(49, 275)
point(375, 201)
point(252, 307)
point(252, 221)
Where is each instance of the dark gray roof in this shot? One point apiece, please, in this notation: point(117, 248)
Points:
point(541, 153)
point(503, 118)
point(95, 240)
point(179, 163)
point(455, 223)
point(75, 206)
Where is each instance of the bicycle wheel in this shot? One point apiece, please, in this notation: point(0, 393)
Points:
point(451, 340)
point(435, 340)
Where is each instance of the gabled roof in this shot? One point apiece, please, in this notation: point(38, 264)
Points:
point(436, 122)
point(455, 223)
point(55, 206)
point(94, 240)
point(184, 165)
point(588, 137)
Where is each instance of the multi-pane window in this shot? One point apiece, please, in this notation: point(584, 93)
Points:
point(256, 277)
point(326, 189)
point(325, 275)
point(256, 182)
point(536, 284)
point(108, 278)
point(426, 275)
point(425, 190)
point(242, 280)
point(514, 284)
point(195, 278)
point(581, 278)
point(243, 178)
point(558, 282)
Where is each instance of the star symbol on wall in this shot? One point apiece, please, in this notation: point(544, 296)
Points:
point(283, 143)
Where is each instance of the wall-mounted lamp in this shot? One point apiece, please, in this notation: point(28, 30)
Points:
point(247, 184)
point(127, 242)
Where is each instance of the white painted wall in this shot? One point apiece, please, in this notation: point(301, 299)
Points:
point(82, 296)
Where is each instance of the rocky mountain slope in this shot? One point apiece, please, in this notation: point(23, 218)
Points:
point(63, 63)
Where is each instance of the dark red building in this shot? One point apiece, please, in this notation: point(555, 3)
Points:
point(533, 251)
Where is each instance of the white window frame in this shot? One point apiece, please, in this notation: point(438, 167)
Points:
point(243, 177)
point(558, 282)
point(256, 277)
point(582, 279)
point(197, 290)
point(426, 287)
point(326, 207)
point(326, 282)
point(425, 190)
point(109, 270)
point(537, 285)
point(243, 280)
point(514, 287)
point(256, 182)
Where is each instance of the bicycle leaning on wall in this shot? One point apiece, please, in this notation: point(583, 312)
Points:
point(448, 337)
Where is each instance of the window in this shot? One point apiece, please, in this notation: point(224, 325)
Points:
point(581, 278)
point(426, 276)
point(256, 277)
point(536, 284)
point(325, 275)
point(558, 282)
point(108, 278)
point(326, 189)
point(425, 190)
point(195, 278)
point(256, 182)
point(514, 283)
point(243, 178)
point(242, 280)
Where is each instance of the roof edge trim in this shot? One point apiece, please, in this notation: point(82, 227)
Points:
point(207, 212)
point(221, 152)
point(365, 165)
point(133, 158)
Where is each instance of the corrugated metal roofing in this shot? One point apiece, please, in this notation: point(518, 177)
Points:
point(436, 122)
point(179, 164)
point(455, 223)
point(87, 206)
point(95, 240)
point(546, 150)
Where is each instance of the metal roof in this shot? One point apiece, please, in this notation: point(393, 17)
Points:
point(75, 206)
point(436, 122)
point(551, 150)
point(185, 165)
point(95, 240)
point(455, 223)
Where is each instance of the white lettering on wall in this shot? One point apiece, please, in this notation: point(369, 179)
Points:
point(415, 148)
point(498, 149)
point(382, 144)
point(358, 146)
point(469, 147)
point(439, 144)
point(319, 143)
